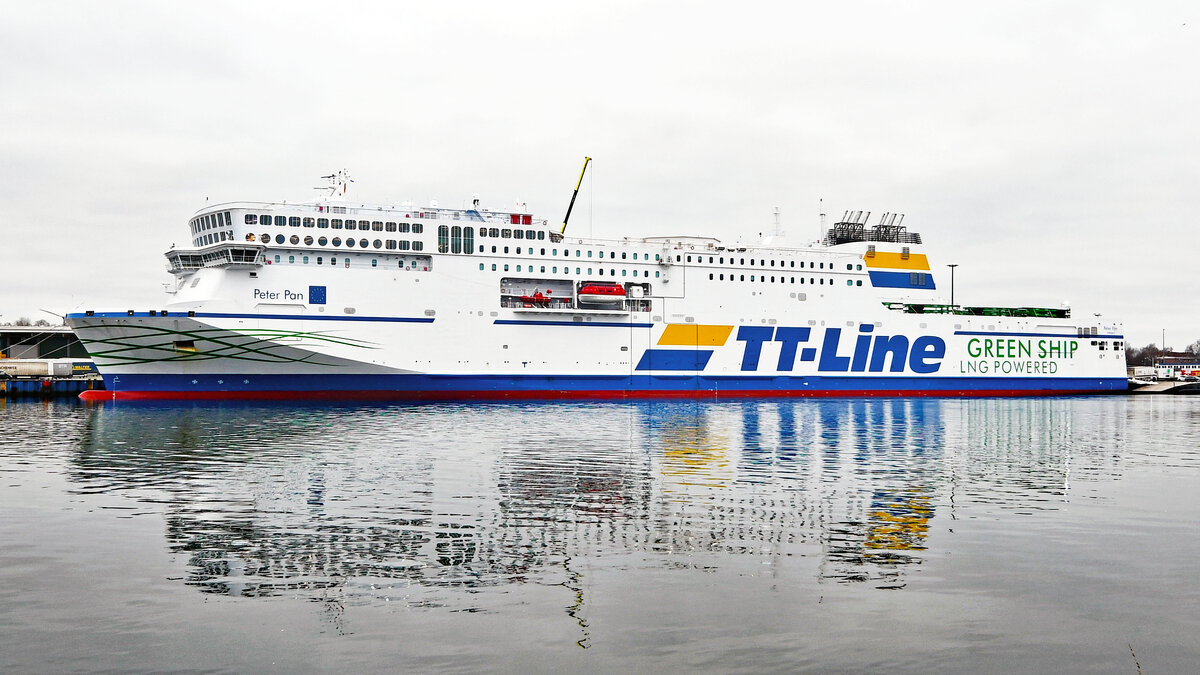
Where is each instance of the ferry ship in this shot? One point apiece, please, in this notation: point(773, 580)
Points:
point(332, 299)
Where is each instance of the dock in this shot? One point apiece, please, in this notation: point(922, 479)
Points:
point(48, 387)
point(1168, 387)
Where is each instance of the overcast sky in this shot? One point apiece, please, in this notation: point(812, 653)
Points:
point(1051, 150)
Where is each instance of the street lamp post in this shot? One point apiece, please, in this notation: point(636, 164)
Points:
point(952, 282)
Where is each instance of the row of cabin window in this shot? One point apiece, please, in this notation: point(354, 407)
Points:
point(211, 222)
point(213, 238)
point(389, 244)
point(506, 233)
point(567, 253)
point(334, 261)
point(762, 278)
point(456, 239)
point(578, 270)
point(762, 262)
point(335, 223)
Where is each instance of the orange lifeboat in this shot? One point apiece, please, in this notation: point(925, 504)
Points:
point(602, 293)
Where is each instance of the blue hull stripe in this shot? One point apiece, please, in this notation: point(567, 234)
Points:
point(674, 359)
point(900, 280)
point(1049, 335)
point(567, 383)
point(222, 315)
point(531, 322)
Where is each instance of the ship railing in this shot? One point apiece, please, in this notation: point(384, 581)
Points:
point(1019, 312)
point(396, 212)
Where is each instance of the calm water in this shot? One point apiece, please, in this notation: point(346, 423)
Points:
point(840, 535)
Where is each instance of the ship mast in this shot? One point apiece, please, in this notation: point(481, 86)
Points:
point(574, 195)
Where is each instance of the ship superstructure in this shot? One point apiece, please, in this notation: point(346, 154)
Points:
point(341, 300)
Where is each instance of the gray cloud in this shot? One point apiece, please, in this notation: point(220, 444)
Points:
point(1047, 149)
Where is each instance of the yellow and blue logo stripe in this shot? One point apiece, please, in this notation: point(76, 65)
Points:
point(917, 276)
point(694, 337)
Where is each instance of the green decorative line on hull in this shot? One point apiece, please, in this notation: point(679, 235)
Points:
point(259, 347)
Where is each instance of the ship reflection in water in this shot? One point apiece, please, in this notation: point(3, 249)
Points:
point(430, 505)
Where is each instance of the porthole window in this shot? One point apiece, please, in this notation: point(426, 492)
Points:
point(265, 238)
point(337, 241)
point(308, 241)
point(362, 243)
point(279, 239)
point(350, 243)
point(295, 239)
point(378, 243)
point(322, 241)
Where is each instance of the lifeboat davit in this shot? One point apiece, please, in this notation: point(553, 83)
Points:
point(602, 293)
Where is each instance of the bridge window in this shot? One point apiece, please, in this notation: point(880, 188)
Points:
point(418, 228)
point(322, 223)
point(251, 219)
point(364, 225)
point(455, 239)
point(335, 224)
point(390, 227)
point(309, 222)
point(443, 238)
point(294, 221)
point(377, 226)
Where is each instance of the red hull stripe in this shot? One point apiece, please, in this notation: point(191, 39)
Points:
point(548, 395)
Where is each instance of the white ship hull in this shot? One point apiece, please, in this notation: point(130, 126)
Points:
point(255, 320)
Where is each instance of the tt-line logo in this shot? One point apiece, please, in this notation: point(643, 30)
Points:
point(871, 353)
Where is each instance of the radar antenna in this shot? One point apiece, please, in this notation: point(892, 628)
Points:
point(338, 184)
